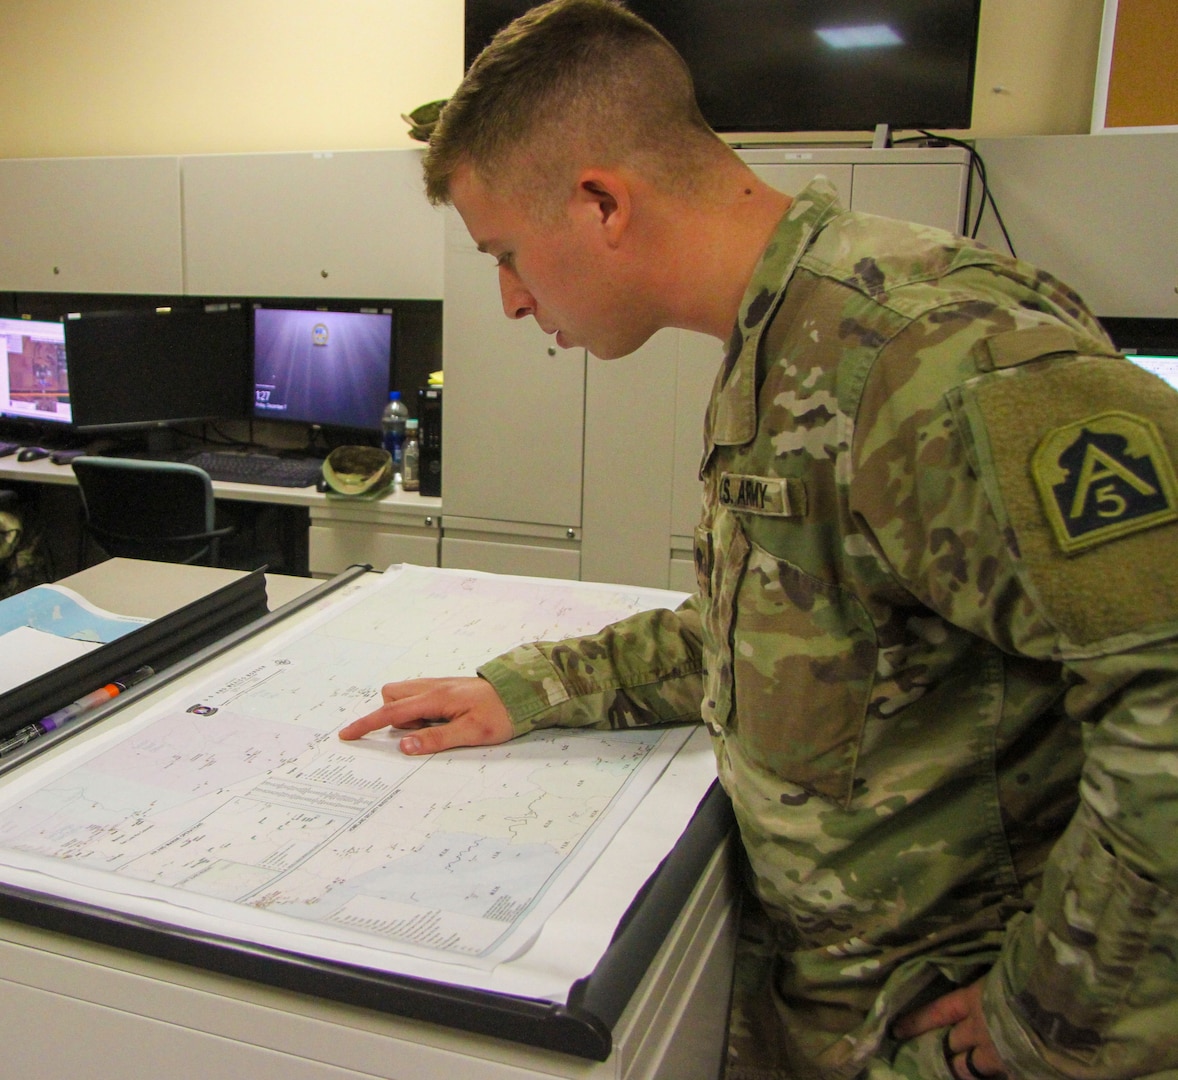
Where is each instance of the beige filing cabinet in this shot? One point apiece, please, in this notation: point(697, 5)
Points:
point(345, 224)
point(925, 184)
point(627, 493)
point(397, 529)
point(102, 225)
point(512, 429)
point(335, 224)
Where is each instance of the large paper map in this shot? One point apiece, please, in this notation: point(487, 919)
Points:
point(238, 792)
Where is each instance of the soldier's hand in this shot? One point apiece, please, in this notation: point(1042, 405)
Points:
point(966, 1043)
point(438, 714)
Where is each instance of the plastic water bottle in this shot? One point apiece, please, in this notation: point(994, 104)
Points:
point(392, 427)
point(410, 477)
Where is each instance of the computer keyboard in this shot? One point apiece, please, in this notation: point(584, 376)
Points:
point(264, 469)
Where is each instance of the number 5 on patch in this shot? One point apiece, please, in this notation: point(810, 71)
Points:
point(1104, 477)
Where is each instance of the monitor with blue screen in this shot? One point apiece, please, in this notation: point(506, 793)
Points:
point(34, 382)
point(323, 368)
point(1163, 365)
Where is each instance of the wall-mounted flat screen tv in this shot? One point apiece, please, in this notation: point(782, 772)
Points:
point(807, 65)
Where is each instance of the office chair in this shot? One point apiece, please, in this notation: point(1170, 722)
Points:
point(160, 510)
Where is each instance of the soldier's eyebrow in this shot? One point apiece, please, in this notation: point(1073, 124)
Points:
point(496, 250)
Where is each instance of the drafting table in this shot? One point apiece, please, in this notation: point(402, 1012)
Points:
point(79, 1009)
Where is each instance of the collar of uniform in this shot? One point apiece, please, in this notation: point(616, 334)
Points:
point(732, 415)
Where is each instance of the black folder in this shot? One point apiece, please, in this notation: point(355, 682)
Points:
point(159, 643)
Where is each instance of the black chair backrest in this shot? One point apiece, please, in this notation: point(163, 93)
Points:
point(161, 510)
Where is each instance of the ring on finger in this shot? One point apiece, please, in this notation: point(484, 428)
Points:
point(970, 1067)
point(946, 1050)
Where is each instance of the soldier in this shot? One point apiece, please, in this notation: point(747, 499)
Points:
point(24, 555)
point(934, 634)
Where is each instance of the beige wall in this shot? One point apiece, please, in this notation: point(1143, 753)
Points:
point(1036, 67)
point(113, 77)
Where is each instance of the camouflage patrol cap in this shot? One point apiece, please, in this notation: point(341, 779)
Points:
point(358, 470)
point(423, 119)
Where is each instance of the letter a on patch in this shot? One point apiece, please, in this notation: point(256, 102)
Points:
point(1104, 477)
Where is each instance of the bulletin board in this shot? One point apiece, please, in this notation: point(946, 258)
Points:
point(1136, 90)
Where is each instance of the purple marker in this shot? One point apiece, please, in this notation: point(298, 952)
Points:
point(75, 709)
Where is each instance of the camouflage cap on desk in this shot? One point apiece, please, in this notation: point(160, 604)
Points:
point(358, 470)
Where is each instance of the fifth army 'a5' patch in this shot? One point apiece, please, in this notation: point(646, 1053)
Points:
point(1104, 477)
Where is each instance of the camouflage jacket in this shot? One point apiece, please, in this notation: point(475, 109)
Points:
point(935, 643)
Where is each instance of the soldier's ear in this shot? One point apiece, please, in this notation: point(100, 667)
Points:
point(603, 200)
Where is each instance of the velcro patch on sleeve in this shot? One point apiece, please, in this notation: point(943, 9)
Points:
point(1104, 477)
point(1077, 455)
point(774, 496)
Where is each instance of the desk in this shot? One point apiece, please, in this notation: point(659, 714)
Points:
point(74, 1009)
point(401, 527)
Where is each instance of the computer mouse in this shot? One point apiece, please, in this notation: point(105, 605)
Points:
point(31, 453)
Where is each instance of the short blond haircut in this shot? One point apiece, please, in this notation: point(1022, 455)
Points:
point(571, 83)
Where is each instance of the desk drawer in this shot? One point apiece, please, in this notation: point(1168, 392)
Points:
point(333, 548)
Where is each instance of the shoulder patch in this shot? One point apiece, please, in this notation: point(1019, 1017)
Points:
point(1077, 458)
point(1104, 477)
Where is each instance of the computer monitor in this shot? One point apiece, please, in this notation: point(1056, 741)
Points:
point(417, 347)
point(1164, 365)
point(34, 382)
point(145, 369)
point(322, 368)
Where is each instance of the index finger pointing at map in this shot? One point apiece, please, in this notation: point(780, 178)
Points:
point(401, 705)
point(472, 710)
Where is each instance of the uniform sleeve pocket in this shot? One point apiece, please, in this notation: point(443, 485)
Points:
point(1096, 959)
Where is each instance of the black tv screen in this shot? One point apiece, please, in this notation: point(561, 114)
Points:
point(807, 65)
point(143, 369)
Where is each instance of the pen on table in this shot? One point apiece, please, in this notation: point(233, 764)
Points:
point(75, 709)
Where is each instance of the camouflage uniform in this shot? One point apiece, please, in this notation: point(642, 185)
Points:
point(934, 641)
point(24, 556)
